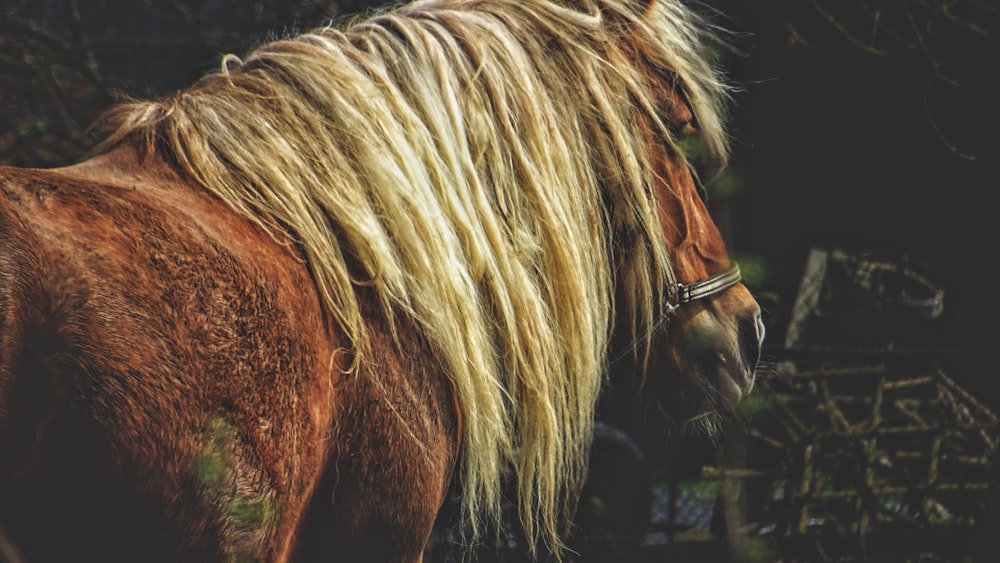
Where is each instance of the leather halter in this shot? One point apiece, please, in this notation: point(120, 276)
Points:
point(681, 293)
point(686, 293)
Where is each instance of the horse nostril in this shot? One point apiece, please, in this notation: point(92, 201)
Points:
point(761, 329)
point(751, 335)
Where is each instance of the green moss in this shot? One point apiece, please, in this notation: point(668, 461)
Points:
point(210, 470)
point(251, 511)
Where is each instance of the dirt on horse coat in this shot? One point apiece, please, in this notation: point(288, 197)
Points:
point(249, 330)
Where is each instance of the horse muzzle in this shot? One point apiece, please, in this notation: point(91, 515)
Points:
point(738, 367)
point(719, 356)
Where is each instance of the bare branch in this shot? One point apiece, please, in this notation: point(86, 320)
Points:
point(945, 139)
point(847, 33)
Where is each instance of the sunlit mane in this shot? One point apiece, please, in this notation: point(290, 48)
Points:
point(479, 165)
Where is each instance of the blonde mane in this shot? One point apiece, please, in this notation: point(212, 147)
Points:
point(480, 165)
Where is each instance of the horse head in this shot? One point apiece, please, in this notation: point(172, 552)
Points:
point(704, 354)
point(697, 354)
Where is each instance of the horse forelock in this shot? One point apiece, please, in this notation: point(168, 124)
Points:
point(478, 164)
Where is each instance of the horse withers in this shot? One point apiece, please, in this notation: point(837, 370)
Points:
point(280, 314)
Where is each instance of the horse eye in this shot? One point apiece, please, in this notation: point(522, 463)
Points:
point(687, 141)
point(686, 129)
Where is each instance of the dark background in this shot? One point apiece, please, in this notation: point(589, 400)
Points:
point(865, 131)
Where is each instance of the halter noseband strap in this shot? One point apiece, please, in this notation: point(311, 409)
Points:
point(722, 281)
point(685, 293)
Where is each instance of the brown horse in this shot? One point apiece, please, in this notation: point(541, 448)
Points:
point(280, 313)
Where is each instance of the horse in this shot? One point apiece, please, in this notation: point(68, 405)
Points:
point(280, 314)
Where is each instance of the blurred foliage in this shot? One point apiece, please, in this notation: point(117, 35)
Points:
point(46, 102)
point(63, 61)
point(950, 43)
point(946, 50)
point(754, 269)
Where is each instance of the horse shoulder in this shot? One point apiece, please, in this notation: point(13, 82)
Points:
point(173, 354)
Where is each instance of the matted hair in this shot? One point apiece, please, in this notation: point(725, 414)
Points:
point(481, 165)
